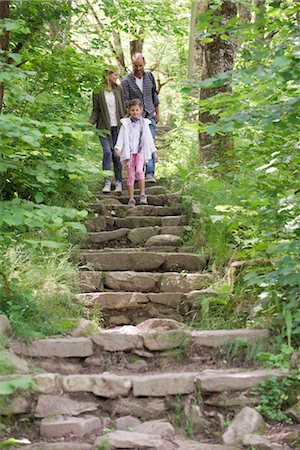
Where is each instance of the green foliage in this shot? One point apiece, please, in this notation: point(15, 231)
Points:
point(276, 395)
point(10, 386)
point(281, 359)
point(105, 445)
point(249, 206)
point(12, 442)
point(129, 17)
point(6, 368)
point(179, 417)
point(36, 287)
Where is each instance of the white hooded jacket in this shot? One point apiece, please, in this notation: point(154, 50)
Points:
point(124, 142)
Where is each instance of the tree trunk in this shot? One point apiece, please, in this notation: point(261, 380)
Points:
point(217, 56)
point(195, 49)
point(119, 50)
point(4, 41)
point(136, 46)
point(67, 30)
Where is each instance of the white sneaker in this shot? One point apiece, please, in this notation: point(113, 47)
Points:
point(118, 187)
point(107, 187)
point(143, 199)
point(150, 177)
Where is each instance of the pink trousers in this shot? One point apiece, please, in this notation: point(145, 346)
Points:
point(135, 168)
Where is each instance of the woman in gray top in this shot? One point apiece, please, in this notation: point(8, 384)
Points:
point(108, 109)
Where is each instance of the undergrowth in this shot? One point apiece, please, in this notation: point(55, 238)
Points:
point(37, 287)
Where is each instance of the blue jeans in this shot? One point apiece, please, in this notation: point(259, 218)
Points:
point(150, 167)
point(109, 154)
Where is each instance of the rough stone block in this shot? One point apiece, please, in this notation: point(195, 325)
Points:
point(160, 385)
point(118, 340)
point(69, 426)
point(59, 347)
point(53, 405)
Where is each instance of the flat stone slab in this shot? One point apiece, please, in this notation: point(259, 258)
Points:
point(113, 300)
point(110, 385)
point(156, 200)
point(187, 444)
point(164, 240)
point(184, 282)
point(122, 260)
point(119, 340)
point(116, 301)
point(107, 385)
point(90, 281)
point(131, 281)
point(174, 230)
point(139, 236)
point(144, 221)
point(159, 427)
point(106, 236)
point(14, 405)
point(217, 338)
point(146, 408)
point(170, 299)
point(123, 423)
point(143, 261)
point(218, 381)
point(172, 221)
point(48, 383)
point(54, 405)
point(133, 440)
point(167, 340)
point(160, 385)
point(57, 446)
point(96, 224)
point(59, 347)
point(148, 281)
point(144, 210)
point(69, 426)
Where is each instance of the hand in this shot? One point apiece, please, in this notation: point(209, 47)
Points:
point(157, 117)
point(156, 156)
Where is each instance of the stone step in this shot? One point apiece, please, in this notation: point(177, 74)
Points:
point(144, 221)
point(133, 439)
point(148, 184)
point(111, 386)
point(155, 335)
point(63, 426)
point(143, 281)
point(102, 223)
point(122, 308)
point(132, 259)
point(120, 210)
point(134, 237)
point(151, 189)
point(155, 200)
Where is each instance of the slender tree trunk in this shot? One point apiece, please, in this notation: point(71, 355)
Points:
point(4, 41)
point(136, 46)
point(217, 56)
point(119, 50)
point(67, 30)
point(195, 48)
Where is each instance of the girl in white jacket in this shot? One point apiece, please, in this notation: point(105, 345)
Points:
point(135, 146)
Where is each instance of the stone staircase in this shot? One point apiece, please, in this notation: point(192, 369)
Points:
point(145, 362)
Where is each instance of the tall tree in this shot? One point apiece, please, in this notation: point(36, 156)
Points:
point(215, 54)
point(4, 42)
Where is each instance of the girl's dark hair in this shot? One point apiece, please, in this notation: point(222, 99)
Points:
point(134, 102)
